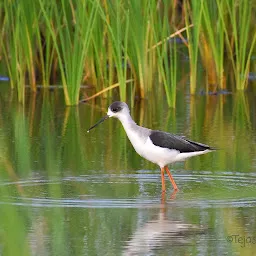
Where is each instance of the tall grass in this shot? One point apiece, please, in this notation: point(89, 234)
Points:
point(240, 35)
point(167, 63)
point(194, 14)
point(103, 43)
point(212, 43)
point(15, 63)
point(138, 43)
point(118, 24)
point(71, 33)
point(223, 32)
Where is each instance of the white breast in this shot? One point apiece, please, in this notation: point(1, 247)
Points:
point(137, 141)
point(158, 155)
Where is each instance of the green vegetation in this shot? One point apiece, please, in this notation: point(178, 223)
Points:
point(111, 42)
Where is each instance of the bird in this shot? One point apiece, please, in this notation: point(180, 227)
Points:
point(159, 147)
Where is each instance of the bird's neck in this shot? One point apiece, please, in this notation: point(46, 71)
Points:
point(131, 129)
point(127, 122)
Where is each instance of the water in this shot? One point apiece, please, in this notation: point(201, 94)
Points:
point(66, 192)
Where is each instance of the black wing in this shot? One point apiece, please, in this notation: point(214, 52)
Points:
point(171, 141)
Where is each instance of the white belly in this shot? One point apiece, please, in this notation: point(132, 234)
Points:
point(155, 154)
point(158, 155)
point(161, 156)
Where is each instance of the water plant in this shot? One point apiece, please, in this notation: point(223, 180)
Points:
point(107, 43)
point(240, 37)
point(194, 13)
point(71, 33)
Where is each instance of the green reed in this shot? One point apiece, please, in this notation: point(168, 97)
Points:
point(166, 56)
point(14, 63)
point(137, 42)
point(193, 12)
point(240, 35)
point(223, 32)
point(212, 42)
point(100, 74)
point(21, 37)
point(71, 33)
point(103, 43)
point(117, 22)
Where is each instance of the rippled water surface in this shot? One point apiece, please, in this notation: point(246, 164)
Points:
point(66, 192)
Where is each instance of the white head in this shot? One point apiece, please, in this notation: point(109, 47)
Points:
point(117, 109)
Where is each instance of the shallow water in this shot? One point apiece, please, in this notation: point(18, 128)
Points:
point(66, 192)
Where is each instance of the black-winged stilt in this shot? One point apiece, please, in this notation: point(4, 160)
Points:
point(159, 147)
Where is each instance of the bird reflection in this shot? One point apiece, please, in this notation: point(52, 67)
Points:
point(159, 233)
point(172, 196)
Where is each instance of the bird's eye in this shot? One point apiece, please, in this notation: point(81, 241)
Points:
point(115, 110)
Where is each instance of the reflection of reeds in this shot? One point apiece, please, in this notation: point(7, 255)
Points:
point(49, 142)
point(239, 237)
point(213, 120)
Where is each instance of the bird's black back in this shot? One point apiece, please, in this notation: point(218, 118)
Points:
point(171, 141)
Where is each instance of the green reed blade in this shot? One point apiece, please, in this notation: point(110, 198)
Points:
point(193, 12)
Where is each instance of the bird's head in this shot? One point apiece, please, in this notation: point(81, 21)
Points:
point(117, 109)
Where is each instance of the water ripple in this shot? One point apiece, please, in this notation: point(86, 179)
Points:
point(129, 203)
point(149, 176)
point(190, 196)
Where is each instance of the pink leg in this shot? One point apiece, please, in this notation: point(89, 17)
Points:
point(162, 177)
point(171, 178)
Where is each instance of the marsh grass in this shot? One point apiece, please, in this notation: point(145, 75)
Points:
point(240, 35)
point(104, 43)
point(223, 32)
point(212, 43)
point(194, 14)
point(10, 45)
point(71, 35)
point(117, 29)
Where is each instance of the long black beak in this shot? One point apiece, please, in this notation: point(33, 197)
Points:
point(99, 122)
